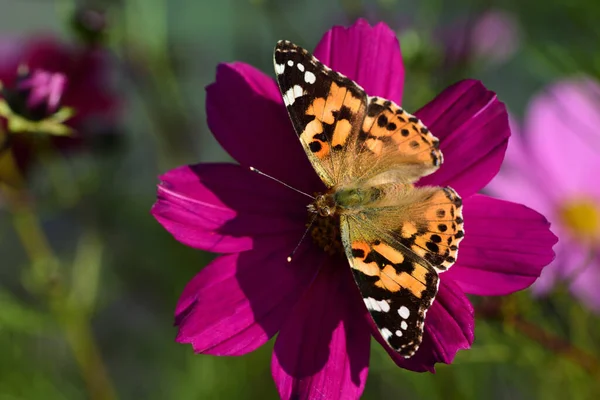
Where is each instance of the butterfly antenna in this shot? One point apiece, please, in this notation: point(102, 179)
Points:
point(289, 259)
point(283, 183)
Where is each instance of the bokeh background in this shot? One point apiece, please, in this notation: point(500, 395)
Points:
point(89, 280)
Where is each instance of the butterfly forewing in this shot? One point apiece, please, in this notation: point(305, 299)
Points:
point(325, 107)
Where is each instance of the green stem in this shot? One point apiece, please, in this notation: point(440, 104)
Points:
point(146, 54)
point(47, 283)
point(506, 311)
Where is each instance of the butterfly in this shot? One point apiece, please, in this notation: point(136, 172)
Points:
point(369, 153)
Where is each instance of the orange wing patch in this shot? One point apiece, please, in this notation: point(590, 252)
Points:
point(387, 127)
point(325, 112)
point(440, 231)
point(387, 263)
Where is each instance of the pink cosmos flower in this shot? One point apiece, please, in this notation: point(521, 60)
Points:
point(553, 167)
point(250, 293)
point(491, 37)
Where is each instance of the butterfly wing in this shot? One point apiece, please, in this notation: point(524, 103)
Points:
point(399, 242)
point(347, 135)
point(393, 145)
point(396, 248)
point(325, 107)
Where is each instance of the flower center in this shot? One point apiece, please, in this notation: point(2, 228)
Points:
point(582, 218)
point(34, 103)
point(325, 232)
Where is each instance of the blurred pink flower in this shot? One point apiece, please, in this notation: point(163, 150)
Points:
point(490, 37)
point(85, 70)
point(52, 87)
point(553, 167)
point(250, 293)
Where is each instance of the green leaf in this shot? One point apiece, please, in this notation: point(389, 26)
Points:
point(20, 318)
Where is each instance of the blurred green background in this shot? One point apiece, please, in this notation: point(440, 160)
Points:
point(128, 271)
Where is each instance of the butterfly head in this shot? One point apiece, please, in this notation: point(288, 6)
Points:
point(324, 205)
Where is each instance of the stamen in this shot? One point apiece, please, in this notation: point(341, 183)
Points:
point(283, 183)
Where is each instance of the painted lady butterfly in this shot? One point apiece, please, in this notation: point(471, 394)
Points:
point(369, 152)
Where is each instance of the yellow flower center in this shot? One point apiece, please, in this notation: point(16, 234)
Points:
point(582, 217)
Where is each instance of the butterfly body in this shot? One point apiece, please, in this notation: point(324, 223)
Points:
point(370, 152)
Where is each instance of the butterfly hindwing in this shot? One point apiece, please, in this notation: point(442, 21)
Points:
point(396, 250)
point(325, 107)
point(425, 220)
point(437, 232)
point(397, 287)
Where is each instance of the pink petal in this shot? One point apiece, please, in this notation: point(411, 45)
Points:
point(570, 259)
point(222, 207)
point(472, 126)
point(322, 352)
point(562, 127)
point(449, 327)
point(506, 245)
point(246, 114)
point(239, 301)
point(11, 50)
point(586, 281)
point(368, 55)
point(521, 179)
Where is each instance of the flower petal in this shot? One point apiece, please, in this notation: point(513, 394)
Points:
point(246, 114)
point(562, 126)
point(520, 179)
point(472, 126)
point(239, 301)
point(368, 55)
point(322, 352)
point(449, 327)
point(222, 207)
point(11, 50)
point(570, 261)
point(586, 281)
point(506, 245)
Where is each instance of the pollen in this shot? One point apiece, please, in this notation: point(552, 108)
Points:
point(325, 233)
point(582, 218)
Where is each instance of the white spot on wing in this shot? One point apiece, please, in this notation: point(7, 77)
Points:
point(292, 94)
point(279, 68)
point(309, 77)
point(300, 67)
point(290, 63)
point(386, 333)
point(376, 305)
point(371, 304)
point(385, 306)
point(399, 333)
point(404, 312)
point(403, 325)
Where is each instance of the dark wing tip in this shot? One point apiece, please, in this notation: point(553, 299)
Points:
point(281, 44)
point(286, 45)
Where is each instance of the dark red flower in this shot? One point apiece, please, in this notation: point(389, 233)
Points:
point(50, 87)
